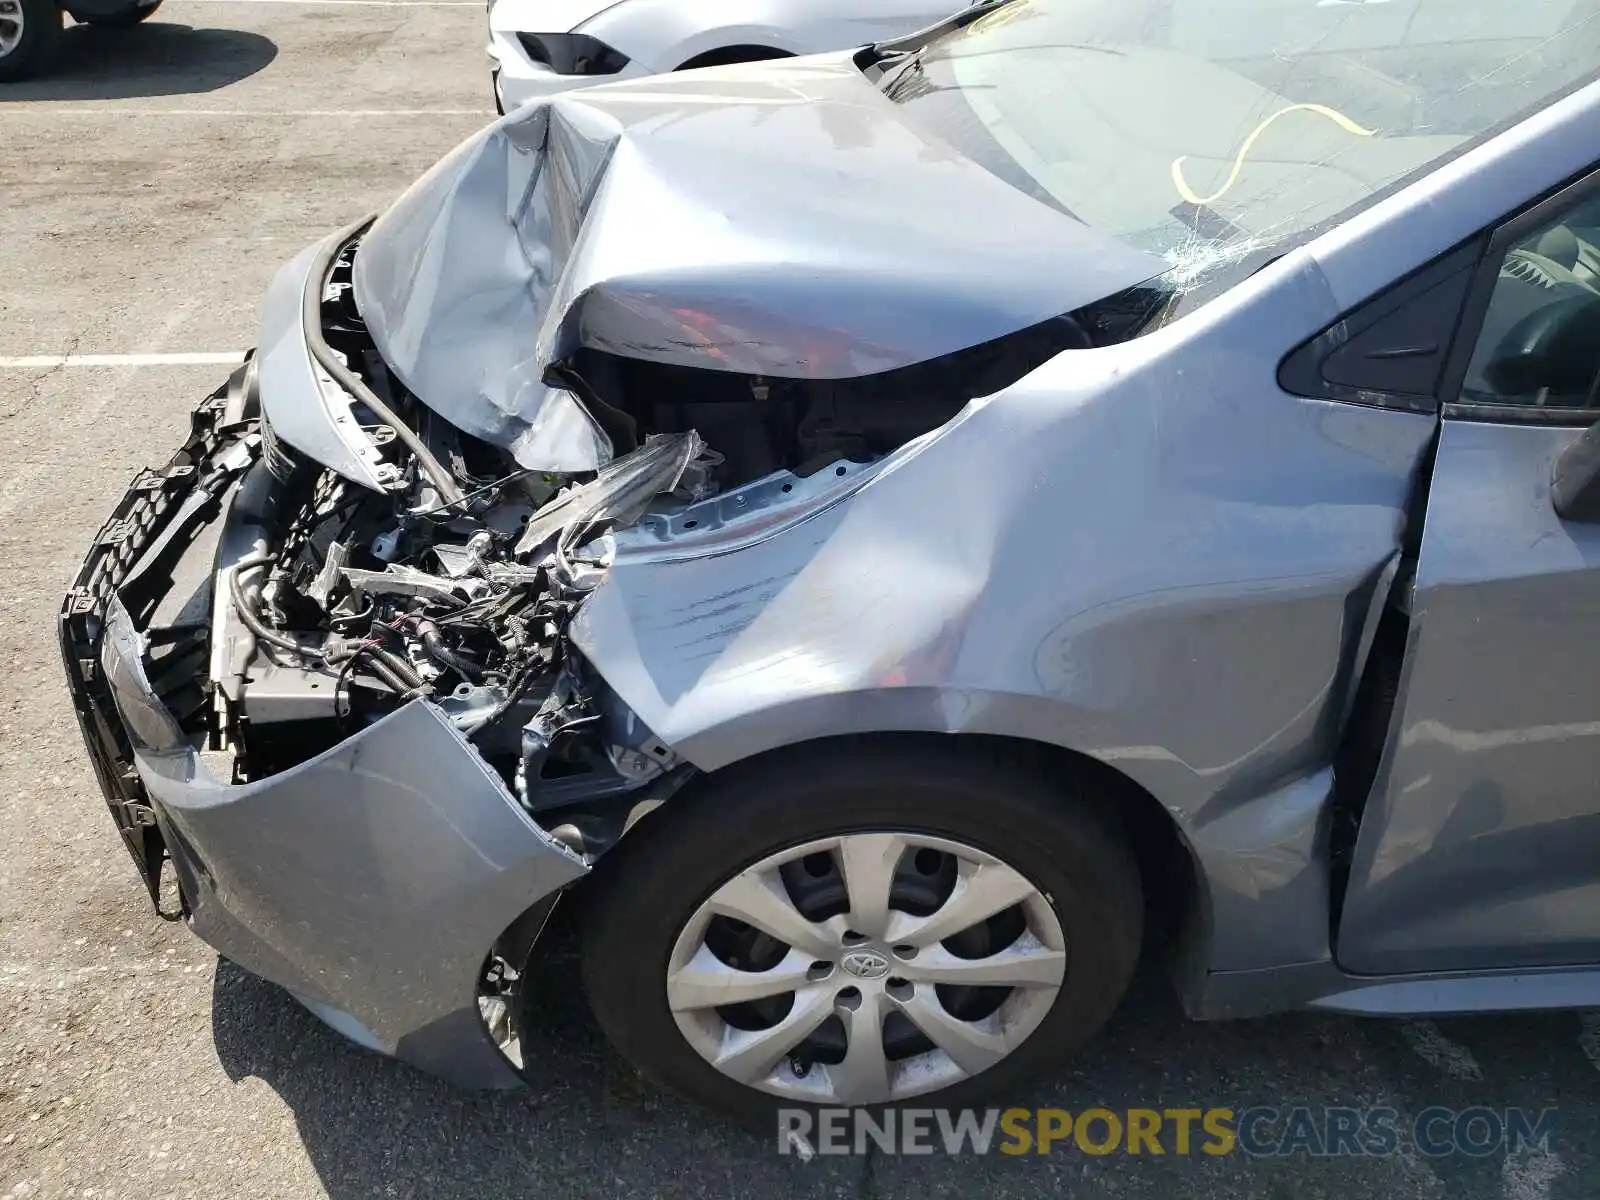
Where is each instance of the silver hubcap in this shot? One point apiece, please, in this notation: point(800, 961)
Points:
point(11, 20)
point(921, 963)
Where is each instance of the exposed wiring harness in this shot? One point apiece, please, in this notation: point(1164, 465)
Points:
point(395, 672)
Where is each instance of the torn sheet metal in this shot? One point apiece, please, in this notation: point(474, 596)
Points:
point(400, 580)
point(783, 222)
point(616, 496)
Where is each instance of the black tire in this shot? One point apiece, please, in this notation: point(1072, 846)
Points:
point(645, 890)
point(126, 19)
point(41, 31)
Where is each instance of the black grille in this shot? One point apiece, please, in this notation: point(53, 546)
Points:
point(135, 530)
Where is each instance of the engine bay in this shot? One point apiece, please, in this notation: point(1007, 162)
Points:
point(359, 602)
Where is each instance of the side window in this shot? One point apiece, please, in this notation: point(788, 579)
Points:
point(1539, 345)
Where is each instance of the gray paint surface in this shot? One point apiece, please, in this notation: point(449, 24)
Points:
point(263, 1100)
point(1188, 617)
point(1170, 566)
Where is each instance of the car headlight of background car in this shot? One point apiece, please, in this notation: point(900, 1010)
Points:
point(573, 53)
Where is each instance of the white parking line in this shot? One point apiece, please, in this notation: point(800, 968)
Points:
point(223, 359)
point(107, 110)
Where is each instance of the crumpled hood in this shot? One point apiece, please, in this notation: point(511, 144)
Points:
point(775, 219)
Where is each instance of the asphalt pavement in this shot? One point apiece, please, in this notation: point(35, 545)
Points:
point(148, 191)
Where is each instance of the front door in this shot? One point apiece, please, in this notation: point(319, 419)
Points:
point(1480, 844)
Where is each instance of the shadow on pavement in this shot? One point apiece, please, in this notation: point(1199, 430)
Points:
point(153, 59)
point(587, 1126)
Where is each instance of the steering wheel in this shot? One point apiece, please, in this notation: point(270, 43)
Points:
point(1555, 349)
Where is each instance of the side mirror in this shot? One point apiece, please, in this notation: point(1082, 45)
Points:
point(1575, 482)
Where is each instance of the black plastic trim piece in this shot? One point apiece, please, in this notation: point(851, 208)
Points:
point(1392, 350)
point(311, 317)
point(145, 527)
point(1519, 414)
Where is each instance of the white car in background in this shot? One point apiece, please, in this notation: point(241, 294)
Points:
point(534, 42)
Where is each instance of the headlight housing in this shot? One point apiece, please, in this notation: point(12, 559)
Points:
point(573, 53)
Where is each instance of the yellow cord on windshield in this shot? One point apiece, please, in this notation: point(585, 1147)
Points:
point(1003, 15)
point(1333, 114)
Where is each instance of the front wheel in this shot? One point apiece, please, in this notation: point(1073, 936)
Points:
point(126, 19)
point(29, 31)
point(861, 929)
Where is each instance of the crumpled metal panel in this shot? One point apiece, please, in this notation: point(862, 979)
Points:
point(619, 491)
point(370, 880)
point(306, 408)
point(777, 220)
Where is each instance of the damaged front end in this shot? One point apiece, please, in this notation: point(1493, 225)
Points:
point(337, 692)
point(351, 717)
point(327, 661)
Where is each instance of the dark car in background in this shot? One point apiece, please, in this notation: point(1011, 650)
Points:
point(30, 29)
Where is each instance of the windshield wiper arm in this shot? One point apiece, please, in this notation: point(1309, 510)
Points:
point(889, 82)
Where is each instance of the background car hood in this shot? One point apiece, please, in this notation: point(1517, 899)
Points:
point(776, 219)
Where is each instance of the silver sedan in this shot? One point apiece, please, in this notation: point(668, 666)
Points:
point(883, 539)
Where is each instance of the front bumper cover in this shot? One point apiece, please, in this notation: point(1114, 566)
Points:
point(372, 880)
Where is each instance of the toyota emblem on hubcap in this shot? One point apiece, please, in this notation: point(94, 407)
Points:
point(865, 964)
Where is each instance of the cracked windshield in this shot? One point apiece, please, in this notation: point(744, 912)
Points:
point(1220, 133)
